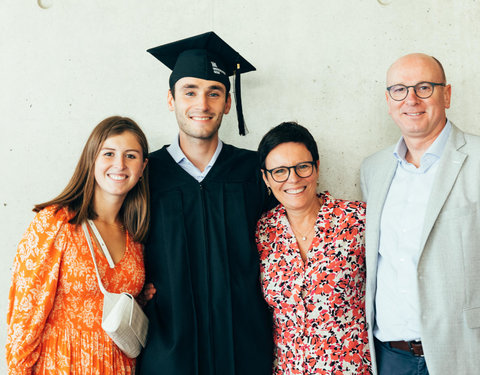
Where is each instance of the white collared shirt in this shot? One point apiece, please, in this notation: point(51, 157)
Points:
point(396, 301)
point(177, 154)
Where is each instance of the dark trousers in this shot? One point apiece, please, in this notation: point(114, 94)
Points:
point(391, 361)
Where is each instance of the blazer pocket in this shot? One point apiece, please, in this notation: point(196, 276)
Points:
point(472, 317)
point(458, 212)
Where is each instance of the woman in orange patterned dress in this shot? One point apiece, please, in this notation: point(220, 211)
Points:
point(312, 257)
point(55, 304)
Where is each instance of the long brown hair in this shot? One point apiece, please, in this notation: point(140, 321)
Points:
point(78, 194)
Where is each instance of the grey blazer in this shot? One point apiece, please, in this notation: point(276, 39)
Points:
point(448, 271)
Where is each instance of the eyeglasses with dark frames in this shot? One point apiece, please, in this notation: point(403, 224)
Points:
point(302, 170)
point(423, 90)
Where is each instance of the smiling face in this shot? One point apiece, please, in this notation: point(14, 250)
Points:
point(118, 166)
point(199, 106)
point(421, 119)
point(296, 193)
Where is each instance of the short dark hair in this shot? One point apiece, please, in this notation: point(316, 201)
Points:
point(284, 133)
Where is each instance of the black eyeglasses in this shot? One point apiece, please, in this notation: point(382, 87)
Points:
point(423, 90)
point(303, 170)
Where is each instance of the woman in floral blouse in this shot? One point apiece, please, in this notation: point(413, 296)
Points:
point(55, 304)
point(312, 262)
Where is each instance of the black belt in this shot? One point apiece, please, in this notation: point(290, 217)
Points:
point(414, 347)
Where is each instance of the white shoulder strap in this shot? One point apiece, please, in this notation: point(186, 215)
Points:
point(89, 240)
point(102, 243)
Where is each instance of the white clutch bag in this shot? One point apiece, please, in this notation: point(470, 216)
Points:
point(123, 319)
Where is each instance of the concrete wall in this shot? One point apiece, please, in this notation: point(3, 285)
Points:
point(68, 65)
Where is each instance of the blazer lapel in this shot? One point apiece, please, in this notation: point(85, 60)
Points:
point(449, 166)
point(379, 187)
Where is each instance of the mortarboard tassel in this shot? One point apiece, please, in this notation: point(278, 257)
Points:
point(242, 130)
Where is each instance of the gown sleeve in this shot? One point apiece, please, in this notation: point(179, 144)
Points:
point(32, 293)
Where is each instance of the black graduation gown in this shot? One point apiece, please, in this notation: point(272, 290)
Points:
point(208, 315)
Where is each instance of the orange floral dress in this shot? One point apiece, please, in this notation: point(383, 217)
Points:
point(55, 304)
point(318, 306)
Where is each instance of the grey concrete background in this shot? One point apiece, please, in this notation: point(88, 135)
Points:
point(68, 65)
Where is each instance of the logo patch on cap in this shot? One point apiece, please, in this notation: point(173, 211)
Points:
point(216, 69)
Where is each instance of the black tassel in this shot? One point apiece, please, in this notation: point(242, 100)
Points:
point(238, 103)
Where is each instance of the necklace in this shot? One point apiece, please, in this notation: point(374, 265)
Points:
point(305, 236)
point(302, 236)
point(110, 224)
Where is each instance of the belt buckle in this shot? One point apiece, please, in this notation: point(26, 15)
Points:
point(412, 349)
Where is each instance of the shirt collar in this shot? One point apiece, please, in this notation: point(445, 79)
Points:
point(177, 154)
point(434, 152)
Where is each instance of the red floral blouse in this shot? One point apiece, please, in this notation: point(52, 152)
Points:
point(318, 306)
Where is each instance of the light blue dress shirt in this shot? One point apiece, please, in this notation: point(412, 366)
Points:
point(396, 301)
point(177, 154)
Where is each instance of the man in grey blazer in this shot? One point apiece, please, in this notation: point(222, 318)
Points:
point(423, 232)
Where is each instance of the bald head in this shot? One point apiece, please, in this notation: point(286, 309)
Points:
point(420, 118)
point(417, 61)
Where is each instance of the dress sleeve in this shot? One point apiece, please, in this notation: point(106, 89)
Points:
point(264, 238)
point(258, 234)
point(33, 289)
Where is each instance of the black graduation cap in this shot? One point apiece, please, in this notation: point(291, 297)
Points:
point(205, 56)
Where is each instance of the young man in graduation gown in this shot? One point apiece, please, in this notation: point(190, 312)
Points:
point(208, 315)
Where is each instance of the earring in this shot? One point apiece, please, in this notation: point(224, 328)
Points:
point(269, 190)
